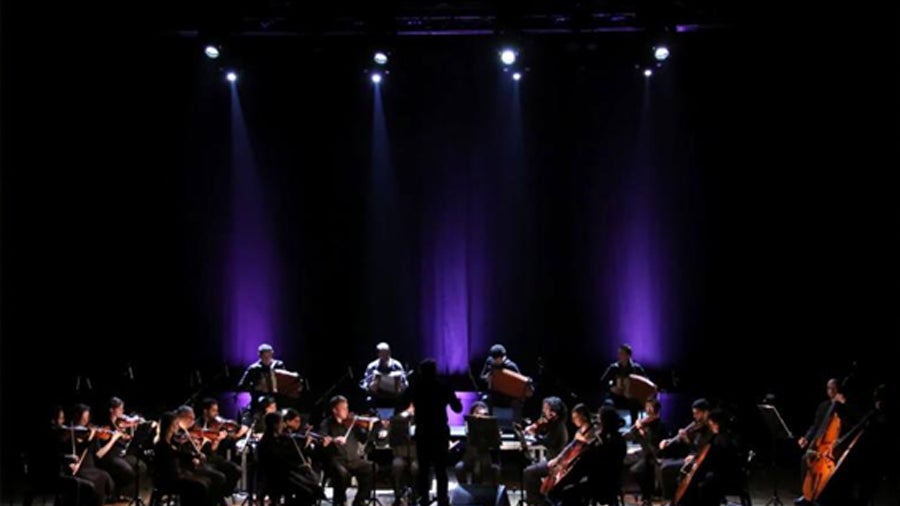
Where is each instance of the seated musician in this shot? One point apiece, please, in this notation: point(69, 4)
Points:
point(379, 372)
point(477, 465)
point(720, 470)
point(84, 488)
point(682, 448)
point(584, 437)
point(259, 378)
point(498, 360)
point(89, 446)
point(227, 433)
point(174, 468)
point(603, 461)
point(192, 442)
point(551, 432)
point(648, 432)
point(255, 418)
point(614, 377)
point(343, 448)
point(285, 469)
point(112, 460)
point(404, 466)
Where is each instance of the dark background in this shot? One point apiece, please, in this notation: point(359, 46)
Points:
point(775, 160)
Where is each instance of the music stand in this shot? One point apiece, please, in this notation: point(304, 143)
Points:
point(779, 432)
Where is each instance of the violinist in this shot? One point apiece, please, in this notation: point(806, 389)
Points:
point(227, 432)
point(648, 432)
point(175, 470)
point(111, 458)
point(62, 452)
point(193, 441)
point(686, 444)
point(285, 469)
point(87, 447)
point(721, 468)
point(293, 422)
point(255, 419)
point(345, 435)
point(551, 432)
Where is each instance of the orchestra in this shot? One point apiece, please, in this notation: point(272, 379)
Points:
point(208, 458)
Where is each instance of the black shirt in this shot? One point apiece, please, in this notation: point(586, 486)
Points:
point(554, 437)
point(351, 450)
point(618, 371)
point(490, 366)
point(431, 399)
point(258, 377)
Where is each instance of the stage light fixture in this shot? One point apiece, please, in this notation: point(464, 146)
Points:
point(517, 76)
point(661, 53)
point(508, 56)
point(380, 58)
point(648, 72)
point(231, 76)
point(376, 78)
point(212, 52)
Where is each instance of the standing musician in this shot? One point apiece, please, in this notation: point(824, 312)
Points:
point(286, 470)
point(613, 380)
point(648, 432)
point(551, 432)
point(690, 441)
point(91, 443)
point(345, 435)
point(192, 441)
point(259, 378)
point(175, 467)
point(379, 373)
point(477, 463)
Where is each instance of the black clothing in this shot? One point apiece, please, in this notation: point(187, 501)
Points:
point(431, 399)
point(344, 461)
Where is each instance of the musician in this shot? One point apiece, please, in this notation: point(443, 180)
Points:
point(614, 377)
point(497, 360)
point(219, 484)
point(431, 398)
point(477, 465)
point(834, 396)
point(404, 466)
point(343, 448)
point(111, 456)
point(689, 440)
point(174, 468)
point(215, 450)
point(285, 469)
point(210, 420)
point(720, 470)
point(293, 422)
point(584, 436)
point(647, 431)
point(874, 458)
point(88, 447)
point(259, 378)
point(381, 369)
point(255, 418)
point(603, 461)
point(62, 455)
point(551, 432)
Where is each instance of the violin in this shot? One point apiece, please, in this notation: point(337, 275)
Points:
point(104, 433)
point(220, 424)
point(642, 423)
point(354, 420)
point(129, 422)
point(539, 425)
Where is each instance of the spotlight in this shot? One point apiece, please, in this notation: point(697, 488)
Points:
point(380, 58)
point(212, 52)
point(517, 76)
point(376, 78)
point(660, 53)
point(231, 76)
point(508, 57)
point(648, 72)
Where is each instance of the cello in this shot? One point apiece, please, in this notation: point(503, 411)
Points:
point(565, 462)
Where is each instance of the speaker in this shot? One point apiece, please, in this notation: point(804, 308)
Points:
point(479, 495)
